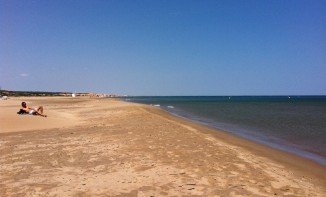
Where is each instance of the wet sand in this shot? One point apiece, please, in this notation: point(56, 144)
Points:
point(106, 147)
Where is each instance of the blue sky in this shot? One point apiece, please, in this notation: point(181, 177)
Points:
point(166, 47)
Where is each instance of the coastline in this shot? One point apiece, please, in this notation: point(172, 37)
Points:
point(294, 125)
point(293, 160)
point(288, 148)
point(120, 148)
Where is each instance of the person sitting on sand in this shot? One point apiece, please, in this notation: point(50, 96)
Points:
point(32, 111)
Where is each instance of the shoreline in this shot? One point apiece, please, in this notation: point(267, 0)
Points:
point(288, 148)
point(302, 150)
point(294, 160)
point(122, 148)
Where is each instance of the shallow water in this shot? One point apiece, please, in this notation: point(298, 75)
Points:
point(295, 124)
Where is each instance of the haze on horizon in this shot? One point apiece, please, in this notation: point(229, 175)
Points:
point(143, 47)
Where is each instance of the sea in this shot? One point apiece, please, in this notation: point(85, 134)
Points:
point(295, 124)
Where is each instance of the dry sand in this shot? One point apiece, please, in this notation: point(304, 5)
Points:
point(103, 147)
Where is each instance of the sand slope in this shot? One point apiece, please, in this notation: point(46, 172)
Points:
point(113, 148)
point(57, 110)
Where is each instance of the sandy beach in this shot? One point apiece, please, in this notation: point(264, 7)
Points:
point(106, 147)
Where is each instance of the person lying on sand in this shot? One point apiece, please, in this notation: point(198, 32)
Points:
point(32, 111)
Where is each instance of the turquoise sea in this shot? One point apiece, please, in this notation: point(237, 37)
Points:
point(296, 124)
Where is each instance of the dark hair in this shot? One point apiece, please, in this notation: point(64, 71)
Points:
point(21, 111)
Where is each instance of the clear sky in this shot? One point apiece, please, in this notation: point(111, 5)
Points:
point(164, 47)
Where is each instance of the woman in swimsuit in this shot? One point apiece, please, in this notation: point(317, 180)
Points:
point(33, 111)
